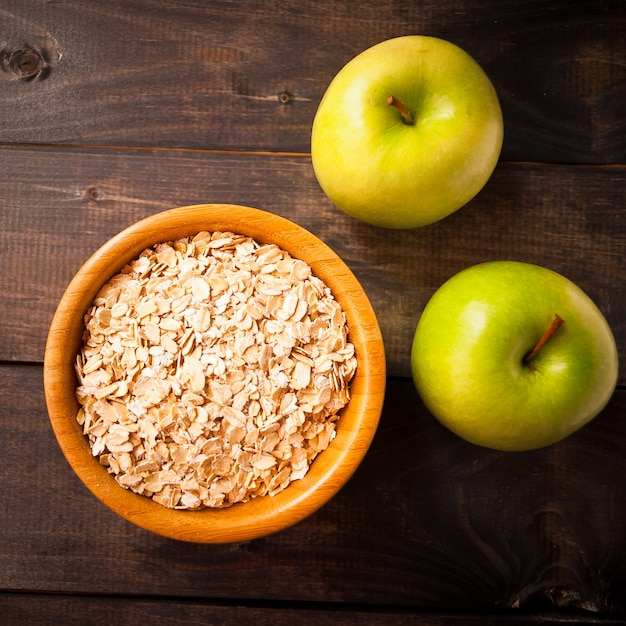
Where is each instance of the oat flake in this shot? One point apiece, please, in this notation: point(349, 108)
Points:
point(212, 371)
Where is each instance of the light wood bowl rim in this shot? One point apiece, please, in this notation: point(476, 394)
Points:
point(260, 516)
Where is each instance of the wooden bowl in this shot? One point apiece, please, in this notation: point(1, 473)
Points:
point(262, 515)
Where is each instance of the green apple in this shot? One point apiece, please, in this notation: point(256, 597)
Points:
point(407, 132)
point(513, 356)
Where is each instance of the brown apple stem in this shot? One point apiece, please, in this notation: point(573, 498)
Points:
point(557, 322)
point(392, 101)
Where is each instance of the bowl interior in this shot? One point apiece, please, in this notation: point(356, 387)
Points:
point(263, 515)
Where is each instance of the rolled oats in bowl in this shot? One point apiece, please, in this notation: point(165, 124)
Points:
point(212, 370)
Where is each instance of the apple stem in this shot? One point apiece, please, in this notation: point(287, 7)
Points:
point(392, 101)
point(557, 322)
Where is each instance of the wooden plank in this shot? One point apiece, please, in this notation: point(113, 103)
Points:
point(428, 520)
point(36, 609)
point(198, 75)
point(58, 205)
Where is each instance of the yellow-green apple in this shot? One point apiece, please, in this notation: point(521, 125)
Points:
point(407, 132)
point(513, 356)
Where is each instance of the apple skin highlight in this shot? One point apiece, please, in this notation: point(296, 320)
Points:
point(374, 165)
point(469, 349)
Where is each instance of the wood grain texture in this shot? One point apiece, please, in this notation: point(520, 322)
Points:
point(565, 217)
point(427, 520)
point(250, 76)
point(37, 609)
point(111, 112)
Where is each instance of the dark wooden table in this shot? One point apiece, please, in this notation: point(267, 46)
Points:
point(112, 111)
